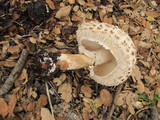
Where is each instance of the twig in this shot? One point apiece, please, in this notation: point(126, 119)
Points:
point(15, 73)
point(49, 99)
point(114, 105)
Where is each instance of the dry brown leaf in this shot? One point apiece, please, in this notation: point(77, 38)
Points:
point(81, 2)
point(14, 49)
point(46, 115)
point(107, 19)
point(71, 1)
point(130, 99)
point(3, 108)
point(149, 79)
point(23, 78)
point(86, 105)
point(30, 106)
point(146, 34)
point(121, 99)
point(15, 16)
point(60, 80)
point(62, 12)
point(4, 50)
point(85, 114)
point(102, 13)
point(136, 74)
point(89, 15)
point(98, 102)
point(65, 90)
point(157, 91)
point(87, 91)
point(152, 13)
point(143, 44)
point(13, 57)
point(105, 97)
point(3, 42)
point(138, 105)
point(12, 104)
point(31, 92)
point(57, 81)
point(146, 24)
point(23, 74)
point(32, 40)
point(7, 63)
point(50, 4)
point(90, 3)
point(60, 118)
point(141, 87)
point(131, 109)
point(57, 30)
point(42, 101)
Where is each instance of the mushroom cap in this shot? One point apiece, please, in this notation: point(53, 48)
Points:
point(113, 50)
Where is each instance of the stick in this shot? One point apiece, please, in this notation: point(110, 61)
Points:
point(15, 73)
point(49, 99)
point(114, 105)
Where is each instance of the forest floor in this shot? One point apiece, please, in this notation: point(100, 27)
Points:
point(51, 25)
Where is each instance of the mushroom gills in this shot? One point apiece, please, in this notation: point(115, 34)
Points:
point(105, 62)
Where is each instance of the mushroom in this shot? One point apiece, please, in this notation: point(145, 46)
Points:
point(107, 51)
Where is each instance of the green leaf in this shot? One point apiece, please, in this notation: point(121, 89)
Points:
point(149, 18)
point(158, 75)
point(157, 97)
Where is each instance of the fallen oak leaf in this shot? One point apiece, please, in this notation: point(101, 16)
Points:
point(141, 87)
point(31, 106)
point(65, 90)
point(46, 115)
point(7, 63)
point(98, 102)
point(131, 109)
point(3, 107)
point(12, 104)
point(106, 97)
point(50, 4)
point(32, 40)
point(4, 50)
point(23, 78)
point(87, 91)
point(13, 57)
point(14, 49)
point(62, 12)
point(60, 118)
point(121, 99)
point(42, 100)
point(152, 13)
point(90, 105)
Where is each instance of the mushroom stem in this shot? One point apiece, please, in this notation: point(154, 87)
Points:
point(74, 61)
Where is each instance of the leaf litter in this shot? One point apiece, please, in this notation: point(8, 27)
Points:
point(54, 28)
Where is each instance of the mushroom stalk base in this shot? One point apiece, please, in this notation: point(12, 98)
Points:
point(74, 61)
